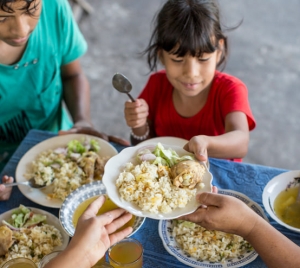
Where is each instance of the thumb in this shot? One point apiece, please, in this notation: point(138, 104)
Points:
point(209, 199)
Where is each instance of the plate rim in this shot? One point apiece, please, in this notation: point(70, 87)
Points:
point(19, 174)
point(62, 221)
point(206, 263)
point(267, 202)
point(132, 208)
point(54, 218)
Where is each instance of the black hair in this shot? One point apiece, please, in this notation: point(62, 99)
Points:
point(5, 5)
point(187, 26)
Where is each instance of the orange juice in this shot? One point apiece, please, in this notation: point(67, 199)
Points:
point(107, 206)
point(127, 253)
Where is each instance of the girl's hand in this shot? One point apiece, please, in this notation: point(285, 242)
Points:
point(223, 213)
point(198, 146)
point(5, 192)
point(136, 113)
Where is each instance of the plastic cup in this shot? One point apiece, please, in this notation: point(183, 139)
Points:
point(126, 253)
point(48, 258)
point(18, 263)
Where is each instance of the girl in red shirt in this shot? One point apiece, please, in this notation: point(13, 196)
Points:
point(190, 98)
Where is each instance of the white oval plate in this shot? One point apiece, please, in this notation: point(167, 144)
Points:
point(169, 141)
point(82, 193)
point(271, 191)
point(39, 196)
point(116, 165)
point(165, 232)
point(51, 220)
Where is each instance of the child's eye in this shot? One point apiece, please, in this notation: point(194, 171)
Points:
point(203, 59)
point(177, 60)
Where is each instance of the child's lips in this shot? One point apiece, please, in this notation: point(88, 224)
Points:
point(20, 40)
point(190, 85)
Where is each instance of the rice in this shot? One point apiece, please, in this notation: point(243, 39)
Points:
point(149, 186)
point(207, 245)
point(66, 173)
point(33, 243)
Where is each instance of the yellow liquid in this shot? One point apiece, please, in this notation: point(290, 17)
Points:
point(20, 265)
point(107, 206)
point(125, 253)
point(282, 201)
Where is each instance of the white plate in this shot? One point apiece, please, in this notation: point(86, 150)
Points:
point(169, 141)
point(51, 220)
point(82, 193)
point(116, 165)
point(165, 229)
point(271, 191)
point(39, 196)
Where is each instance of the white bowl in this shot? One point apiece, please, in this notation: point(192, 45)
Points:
point(271, 191)
point(75, 198)
point(116, 165)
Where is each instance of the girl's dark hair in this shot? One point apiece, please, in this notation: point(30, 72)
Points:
point(193, 25)
point(5, 5)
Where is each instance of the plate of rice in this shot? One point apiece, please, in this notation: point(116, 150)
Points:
point(196, 246)
point(157, 181)
point(34, 241)
point(64, 163)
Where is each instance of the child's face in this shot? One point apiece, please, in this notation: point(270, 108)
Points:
point(190, 75)
point(16, 27)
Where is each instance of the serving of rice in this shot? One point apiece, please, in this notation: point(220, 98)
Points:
point(33, 243)
point(149, 186)
point(207, 245)
point(66, 174)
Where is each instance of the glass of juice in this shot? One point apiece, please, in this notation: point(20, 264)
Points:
point(126, 253)
point(19, 263)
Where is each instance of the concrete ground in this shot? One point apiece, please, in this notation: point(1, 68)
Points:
point(264, 53)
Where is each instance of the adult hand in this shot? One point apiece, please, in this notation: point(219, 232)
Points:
point(95, 234)
point(198, 146)
point(5, 192)
point(136, 113)
point(223, 213)
point(94, 132)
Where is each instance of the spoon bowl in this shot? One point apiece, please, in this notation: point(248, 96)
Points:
point(122, 84)
point(31, 183)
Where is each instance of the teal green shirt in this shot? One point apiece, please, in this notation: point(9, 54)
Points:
point(31, 90)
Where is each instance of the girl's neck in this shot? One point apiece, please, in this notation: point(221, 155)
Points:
point(189, 106)
point(10, 55)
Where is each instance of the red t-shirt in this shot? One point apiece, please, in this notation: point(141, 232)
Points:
point(227, 94)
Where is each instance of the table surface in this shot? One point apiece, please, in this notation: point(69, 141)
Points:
point(245, 178)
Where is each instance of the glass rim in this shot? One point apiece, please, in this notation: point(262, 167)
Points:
point(123, 241)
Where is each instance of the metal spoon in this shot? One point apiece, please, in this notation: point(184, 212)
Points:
point(31, 183)
point(293, 210)
point(122, 84)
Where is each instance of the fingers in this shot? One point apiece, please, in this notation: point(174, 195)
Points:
point(196, 216)
point(118, 222)
point(112, 216)
point(92, 209)
point(118, 140)
point(5, 192)
point(118, 236)
point(214, 189)
point(210, 199)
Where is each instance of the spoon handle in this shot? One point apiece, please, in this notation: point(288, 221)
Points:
point(15, 183)
point(132, 99)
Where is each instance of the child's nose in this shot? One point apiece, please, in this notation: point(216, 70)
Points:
point(21, 27)
point(191, 68)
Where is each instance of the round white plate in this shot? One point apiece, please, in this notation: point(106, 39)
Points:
point(271, 191)
point(82, 193)
point(165, 229)
point(116, 165)
point(39, 196)
point(169, 141)
point(51, 220)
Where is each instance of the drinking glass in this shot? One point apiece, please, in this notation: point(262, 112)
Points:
point(48, 258)
point(19, 262)
point(126, 253)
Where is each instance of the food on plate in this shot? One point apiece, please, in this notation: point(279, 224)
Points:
point(5, 239)
point(208, 245)
point(149, 183)
point(68, 168)
point(107, 206)
point(31, 236)
point(187, 173)
point(285, 206)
